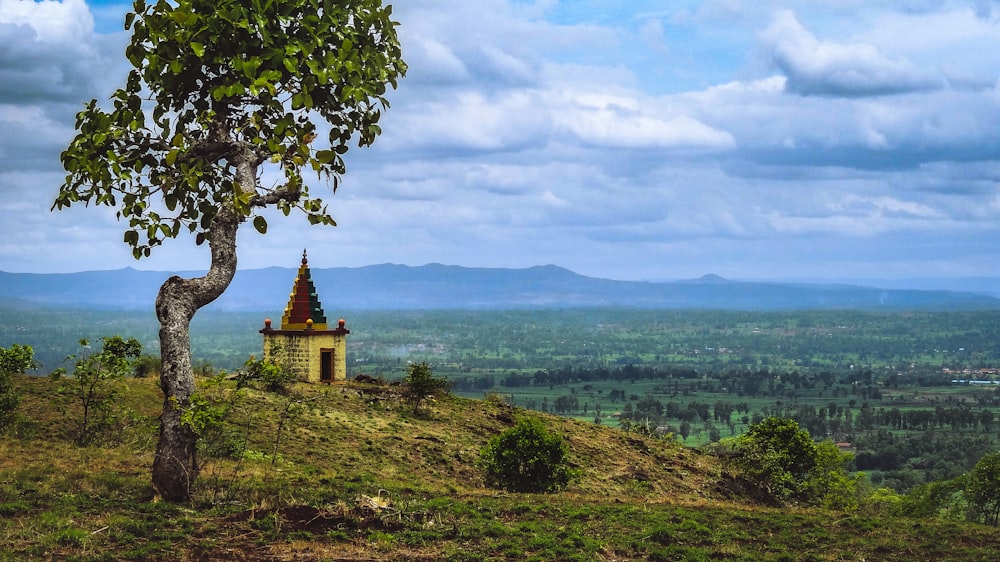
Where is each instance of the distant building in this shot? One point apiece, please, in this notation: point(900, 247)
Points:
point(305, 344)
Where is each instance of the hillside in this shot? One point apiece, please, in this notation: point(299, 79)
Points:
point(359, 477)
point(435, 286)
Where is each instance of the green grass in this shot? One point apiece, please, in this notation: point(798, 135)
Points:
point(636, 498)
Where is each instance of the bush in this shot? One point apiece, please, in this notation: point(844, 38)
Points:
point(781, 459)
point(265, 374)
point(884, 502)
point(982, 488)
point(13, 361)
point(147, 366)
point(526, 458)
point(420, 384)
point(829, 484)
point(95, 387)
point(777, 455)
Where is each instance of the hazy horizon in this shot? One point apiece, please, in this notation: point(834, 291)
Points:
point(989, 285)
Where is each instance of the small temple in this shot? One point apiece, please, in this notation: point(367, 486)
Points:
point(305, 343)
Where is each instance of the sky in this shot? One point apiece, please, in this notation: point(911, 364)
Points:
point(639, 140)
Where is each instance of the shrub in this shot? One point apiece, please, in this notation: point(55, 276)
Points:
point(829, 484)
point(982, 488)
point(527, 458)
point(782, 460)
point(777, 455)
point(94, 386)
point(265, 374)
point(884, 502)
point(13, 361)
point(420, 384)
point(147, 366)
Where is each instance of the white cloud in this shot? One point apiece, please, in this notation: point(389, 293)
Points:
point(816, 67)
point(49, 52)
point(439, 62)
point(619, 128)
point(470, 121)
point(65, 22)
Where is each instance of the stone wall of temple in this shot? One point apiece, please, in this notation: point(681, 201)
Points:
point(302, 352)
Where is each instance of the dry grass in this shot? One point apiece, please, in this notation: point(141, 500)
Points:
point(360, 477)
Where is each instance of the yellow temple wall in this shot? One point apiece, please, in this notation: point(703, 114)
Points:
point(302, 352)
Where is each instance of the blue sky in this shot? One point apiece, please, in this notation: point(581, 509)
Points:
point(819, 139)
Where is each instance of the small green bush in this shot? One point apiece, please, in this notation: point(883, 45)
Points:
point(982, 488)
point(13, 361)
point(96, 387)
point(421, 384)
point(527, 458)
point(776, 455)
point(266, 374)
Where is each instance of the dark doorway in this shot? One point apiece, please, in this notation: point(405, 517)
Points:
point(326, 365)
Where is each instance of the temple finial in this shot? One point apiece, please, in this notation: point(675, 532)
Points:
point(304, 260)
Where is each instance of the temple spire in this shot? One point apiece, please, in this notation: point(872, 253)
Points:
point(304, 311)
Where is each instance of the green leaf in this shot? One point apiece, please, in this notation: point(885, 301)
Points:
point(198, 49)
point(325, 156)
point(260, 224)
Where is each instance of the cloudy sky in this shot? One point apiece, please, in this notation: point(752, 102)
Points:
point(647, 139)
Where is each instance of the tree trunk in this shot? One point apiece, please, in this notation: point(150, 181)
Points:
point(175, 468)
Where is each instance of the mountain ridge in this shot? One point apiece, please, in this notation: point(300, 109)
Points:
point(438, 286)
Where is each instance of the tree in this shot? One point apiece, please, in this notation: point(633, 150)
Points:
point(567, 404)
point(13, 361)
point(421, 384)
point(685, 429)
point(236, 88)
point(777, 455)
point(982, 487)
point(829, 484)
point(93, 375)
point(526, 458)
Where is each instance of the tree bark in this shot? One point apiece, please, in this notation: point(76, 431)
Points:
point(175, 467)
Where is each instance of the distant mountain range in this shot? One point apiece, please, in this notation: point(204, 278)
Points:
point(436, 286)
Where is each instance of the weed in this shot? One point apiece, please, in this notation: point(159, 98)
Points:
point(381, 541)
point(338, 535)
point(9, 509)
point(71, 536)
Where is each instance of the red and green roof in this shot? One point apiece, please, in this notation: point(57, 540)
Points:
point(303, 304)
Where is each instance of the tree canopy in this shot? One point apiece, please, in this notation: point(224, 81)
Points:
point(220, 88)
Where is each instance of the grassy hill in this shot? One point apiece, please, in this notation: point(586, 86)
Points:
point(354, 474)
